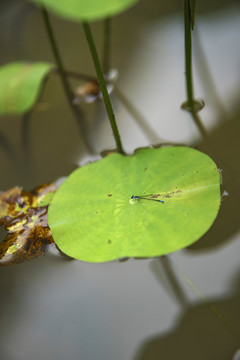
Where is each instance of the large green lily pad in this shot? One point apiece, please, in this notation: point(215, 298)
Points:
point(93, 218)
point(20, 85)
point(80, 10)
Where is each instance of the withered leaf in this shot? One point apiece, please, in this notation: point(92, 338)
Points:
point(90, 91)
point(11, 202)
point(24, 214)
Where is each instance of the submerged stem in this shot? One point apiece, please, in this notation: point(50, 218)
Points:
point(26, 122)
point(7, 147)
point(63, 75)
point(188, 68)
point(173, 281)
point(218, 314)
point(137, 116)
point(103, 86)
point(76, 75)
point(56, 54)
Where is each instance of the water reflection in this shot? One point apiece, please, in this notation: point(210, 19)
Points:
point(66, 310)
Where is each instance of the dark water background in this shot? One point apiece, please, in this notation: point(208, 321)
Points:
point(54, 309)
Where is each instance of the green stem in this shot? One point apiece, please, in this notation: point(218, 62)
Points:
point(188, 54)
point(69, 94)
point(106, 45)
point(188, 68)
point(57, 55)
point(103, 86)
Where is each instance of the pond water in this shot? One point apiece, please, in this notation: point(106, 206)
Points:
point(57, 309)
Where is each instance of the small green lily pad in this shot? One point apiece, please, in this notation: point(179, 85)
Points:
point(93, 217)
point(80, 10)
point(20, 85)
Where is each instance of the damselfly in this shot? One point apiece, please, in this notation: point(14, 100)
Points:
point(145, 197)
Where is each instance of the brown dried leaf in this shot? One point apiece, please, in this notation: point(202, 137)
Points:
point(25, 217)
point(11, 203)
point(90, 91)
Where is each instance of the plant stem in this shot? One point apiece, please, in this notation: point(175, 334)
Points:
point(103, 86)
point(78, 76)
point(63, 75)
point(7, 147)
point(57, 55)
point(188, 54)
point(173, 281)
point(207, 79)
point(26, 120)
point(219, 315)
point(106, 45)
point(139, 118)
point(188, 68)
